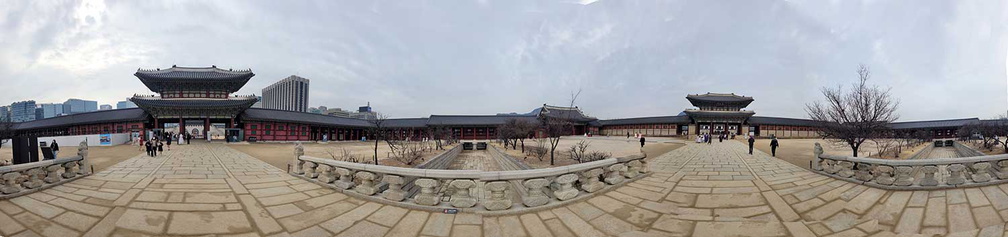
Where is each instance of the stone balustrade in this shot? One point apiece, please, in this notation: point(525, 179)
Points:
point(919, 174)
point(22, 179)
point(485, 192)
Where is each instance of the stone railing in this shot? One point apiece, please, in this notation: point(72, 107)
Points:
point(485, 192)
point(921, 174)
point(22, 179)
point(922, 153)
point(506, 161)
point(965, 150)
point(441, 161)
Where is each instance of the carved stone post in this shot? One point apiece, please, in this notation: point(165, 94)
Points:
point(394, 191)
point(310, 171)
point(461, 196)
point(829, 166)
point(298, 167)
point(903, 177)
point(298, 163)
point(633, 169)
point(34, 178)
point(818, 160)
point(863, 172)
point(52, 173)
point(69, 170)
point(497, 201)
point(563, 189)
point(929, 175)
point(1002, 169)
point(366, 186)
point(883, 175)
point(427, 196)
point(82, 151)
point(535, 196)
point(345, 180)
point(846, 169)
point(327, 176)
point(10, 183)
point(980, 172)
point(590, 180)
point(956, 175)
point(613, 175)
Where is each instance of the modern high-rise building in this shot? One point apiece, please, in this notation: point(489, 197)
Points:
point(258, 103)
point(125, 105)
point(75, 106)
point(23, 111)
point(105, 107)
point(4, 113)
point(49, 110)
point(289, 94)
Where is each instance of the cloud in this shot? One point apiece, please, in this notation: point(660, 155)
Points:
point(416, 58)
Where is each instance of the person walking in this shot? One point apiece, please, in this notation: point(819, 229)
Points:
point(55, 149)
point(720, 138)
point(773, 146)
point(149, 147)
point(642, 141)
point(708, 138)
point(160, 147)
point(188, 138)
point(751, 141)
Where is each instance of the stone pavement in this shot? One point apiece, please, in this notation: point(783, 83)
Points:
point(699, 189)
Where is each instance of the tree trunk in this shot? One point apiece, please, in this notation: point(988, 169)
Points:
point(523, 146)
point(375, 151)
point(551, 158)
point(855, 148)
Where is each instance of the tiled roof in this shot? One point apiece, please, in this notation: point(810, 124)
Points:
point(406, 123)
point(101, 116)
point(760, 120)
point(933, 123)
point(259, 114)
point(159, 80)
point(143, 101)
point(476, 120)
point(719, 97)
point(574, 113)
point(645, 120)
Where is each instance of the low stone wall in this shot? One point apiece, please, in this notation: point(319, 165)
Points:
point(484, 192)
point(923, 153)
point(965, 150)
point(505, 161)
point(920, 174)
point(22, 179)
point(441, 161)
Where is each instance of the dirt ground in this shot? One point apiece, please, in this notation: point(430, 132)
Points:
point(101, 157)
point(617, 146)
point(800, 151)
point(279, 154)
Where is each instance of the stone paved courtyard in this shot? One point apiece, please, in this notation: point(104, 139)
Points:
point(699, 190)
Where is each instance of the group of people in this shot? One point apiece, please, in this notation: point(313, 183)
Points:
point(159, 142)
point(773, 145)
point(706, 137)
point(154, 147)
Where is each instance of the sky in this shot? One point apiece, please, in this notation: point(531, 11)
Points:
point(414, 58)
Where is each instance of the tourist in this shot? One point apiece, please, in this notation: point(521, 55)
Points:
point(642, 141)
point(751, 141)
point(160, 147)
point(708, 138)
point(55, 149)
point(168, 141)
point(773, 146)
point(188, 138)
point(149, 147)
point(720, 138)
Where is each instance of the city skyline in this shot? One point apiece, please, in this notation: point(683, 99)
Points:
point(780, 53)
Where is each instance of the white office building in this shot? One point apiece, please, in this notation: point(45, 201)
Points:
point(289, 94)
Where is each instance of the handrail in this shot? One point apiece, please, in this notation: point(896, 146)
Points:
point(918, 174)
point(22, 179)
point(470, 190)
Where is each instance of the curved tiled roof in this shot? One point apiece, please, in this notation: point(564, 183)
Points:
point(644, 120)
point(933, 123)
point(260, 114)
point(476, 120)
point(759, 120)
point(143, 101)
point(101, 116)
point(719, 97)
point(210, 77)
point(406, 123)
point(572, 113)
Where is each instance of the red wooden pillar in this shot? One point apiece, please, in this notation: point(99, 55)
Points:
point(231, 125)
point(206, 126)
point(156, 124)
point(181, 124)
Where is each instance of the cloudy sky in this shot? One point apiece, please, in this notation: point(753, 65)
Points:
point(943, 59)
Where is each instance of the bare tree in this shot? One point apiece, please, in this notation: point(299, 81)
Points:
point(556, 127)
point(852, 117)
point(515, 131)
point(344, 155)
point(538, 150)
point(377, 131)
point(990, 133)
point(441, 136)
point(580, 153)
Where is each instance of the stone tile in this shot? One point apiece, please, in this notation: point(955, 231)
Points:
point(152, 196)
point(344, 221)
point(200, 223)
point(439, 224)
point(996, 196)
point(557, 228)
point(43, 226)
point(934, 214)
point(910, 221)
point(85, 208)
point(612, 225)
point(409, 225)
point(259, 215)
point(577, 225)
point(865, 200)
point(267, 192)
point(825, 211)
point(42, 209)
point(960, 218)
point(739, 229)
point(468, 219)
point(466, 230)
point(281, 211)
point(976, 197)
point(7, 207)
point(533, 225)
point(210, 198)
point(311, 232)
point(637, 216)
point(986, 216)
point(955, 196)
point(8, 226)
point(76, 221)
point(389, 215)
point(152, 222)
point(319, 201)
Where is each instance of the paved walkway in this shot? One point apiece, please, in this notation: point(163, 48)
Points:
point(700, 189)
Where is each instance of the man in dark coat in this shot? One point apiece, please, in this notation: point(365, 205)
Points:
point(751, 141)
point(720, 138)
point(147, 145)
point(55, 149)
point(709, 140)
point(641, 141)
point(773, 147)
